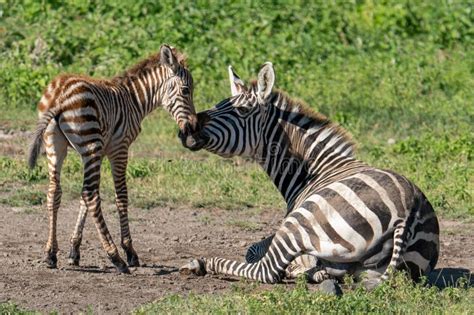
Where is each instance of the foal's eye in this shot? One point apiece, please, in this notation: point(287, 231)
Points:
point(185, 91)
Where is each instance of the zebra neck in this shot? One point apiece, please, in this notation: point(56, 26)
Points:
point(296, 154)
point(143, 91)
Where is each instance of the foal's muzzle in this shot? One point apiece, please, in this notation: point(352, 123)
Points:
point(193, 140)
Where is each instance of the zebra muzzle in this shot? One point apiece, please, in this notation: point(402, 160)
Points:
point(193, 142)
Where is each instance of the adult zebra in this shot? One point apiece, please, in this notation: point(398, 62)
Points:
point(354, 218)
point(99, 118)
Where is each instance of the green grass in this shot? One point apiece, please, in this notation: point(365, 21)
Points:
point(10, 308)
point(397, 296)
point(399, 75)
point(384, 70)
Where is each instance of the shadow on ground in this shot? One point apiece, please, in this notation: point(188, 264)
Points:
point(451, 277)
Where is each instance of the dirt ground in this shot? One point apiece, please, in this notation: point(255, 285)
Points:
point(164, 238)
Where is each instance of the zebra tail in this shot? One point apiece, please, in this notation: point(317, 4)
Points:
point(35, 146)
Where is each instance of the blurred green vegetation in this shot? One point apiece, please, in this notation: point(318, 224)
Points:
point(397, 74)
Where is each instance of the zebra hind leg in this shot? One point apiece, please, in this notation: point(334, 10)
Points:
point(56, 151)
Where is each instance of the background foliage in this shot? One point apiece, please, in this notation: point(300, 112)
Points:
point(397, 74)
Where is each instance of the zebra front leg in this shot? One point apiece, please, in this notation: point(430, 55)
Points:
point(262, 270)
point(56, 151)
point(119, 168)
point(76, 238)
point(270, 269)
point(91, 197)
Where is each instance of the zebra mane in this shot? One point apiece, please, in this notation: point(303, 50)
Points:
point(302, 117)
point(149, 63)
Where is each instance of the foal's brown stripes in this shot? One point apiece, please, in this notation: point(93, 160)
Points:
point(101, 118)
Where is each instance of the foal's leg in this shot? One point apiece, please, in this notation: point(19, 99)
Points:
point(92, 159)
point(76, 238)
point(118, 162)
point(56, 150)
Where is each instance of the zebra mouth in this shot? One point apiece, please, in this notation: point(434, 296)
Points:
point(193, 142)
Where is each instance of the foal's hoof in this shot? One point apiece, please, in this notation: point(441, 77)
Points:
point(119, 264)
point(50, 260)
point(133, 260)
point(195, 266)
point(74, 257)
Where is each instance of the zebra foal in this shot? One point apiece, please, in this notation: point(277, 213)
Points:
point(101, 118)
point(351, 217)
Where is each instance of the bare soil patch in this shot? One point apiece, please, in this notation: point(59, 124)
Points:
point(165, 238)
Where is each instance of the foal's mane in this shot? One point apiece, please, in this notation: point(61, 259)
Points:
point(149, 63)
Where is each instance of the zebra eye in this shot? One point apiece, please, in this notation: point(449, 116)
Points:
point(185, 91)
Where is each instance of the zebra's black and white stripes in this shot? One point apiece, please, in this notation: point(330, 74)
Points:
point(101, 118)
point(353, 218)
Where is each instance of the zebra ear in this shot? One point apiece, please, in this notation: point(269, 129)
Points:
point(265, 82)
point(168, 58)
point(237, 86)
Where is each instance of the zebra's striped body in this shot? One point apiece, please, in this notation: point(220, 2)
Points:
point(353, 218)
point(101, 118)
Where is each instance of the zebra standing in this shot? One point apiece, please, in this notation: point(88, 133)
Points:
point(99, 118)
point(353, 218)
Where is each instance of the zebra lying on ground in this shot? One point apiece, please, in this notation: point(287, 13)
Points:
point(303, 264)
point(99, 118)
point(353, 218)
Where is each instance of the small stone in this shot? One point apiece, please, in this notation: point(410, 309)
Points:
point(149, 250)
point(6, 254)
point(391, 141)
point(242, 243)
point(175, 238)
point(330, 287)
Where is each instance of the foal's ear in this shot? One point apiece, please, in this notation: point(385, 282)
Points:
point(266, 80)
point(168, 58)
point(237, 86)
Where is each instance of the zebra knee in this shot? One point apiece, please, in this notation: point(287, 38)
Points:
point(91, 200)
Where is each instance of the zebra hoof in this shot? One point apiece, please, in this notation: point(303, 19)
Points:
point(133, 260)
point(51, 260)
point(74, 257)
point(120, 265)
point(330, 287)
point(195, 266)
